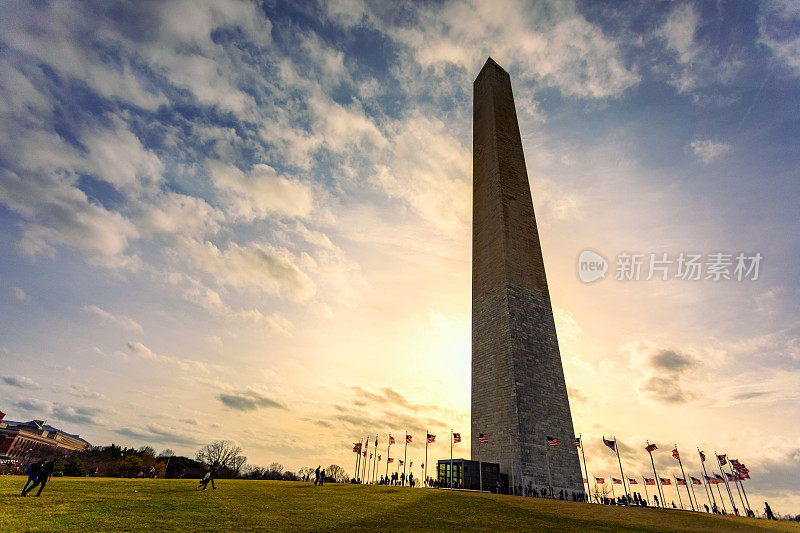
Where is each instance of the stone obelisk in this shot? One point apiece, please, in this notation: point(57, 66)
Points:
point(519, 396)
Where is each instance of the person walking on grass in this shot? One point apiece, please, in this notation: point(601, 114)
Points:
point(316, 476)
point(321, 477)
point(768, 512)
point(208, 478)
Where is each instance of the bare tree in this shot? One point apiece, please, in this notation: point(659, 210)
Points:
point(167, 453)
point(238, 463)
point(219, 453)
point(276, 468)
point(337, 473)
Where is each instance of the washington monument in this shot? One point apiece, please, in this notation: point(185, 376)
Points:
point(518, 392)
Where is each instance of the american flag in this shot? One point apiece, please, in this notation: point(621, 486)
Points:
point(482, 438)
point(389, 460)
point(649, 481)
point(379, 457)
point(408, 439)
point(422, 465)
point(431, 438)
point(610, 443)
point(456, 438)
point(391, 439)
point(744, 475)
point(376, 441)
point(695, 481)
point(702, 457)
point(577, 442)
point(586, 481)
point(650, 448)
point(411, 464)
point(552, 441)
point(600, 480)
point(517, 436)
point(722, 459)
point(675, 454)
point(365, 453)
point(366, 444)
point(731, 477)
point(718, 478)
point(665, 481)
point(356, 447)
point(616, 481)
point(632, 481)
point(370, 455)
point(709, 479)
point(681, 481)
point(735, 463)
point(400, 462)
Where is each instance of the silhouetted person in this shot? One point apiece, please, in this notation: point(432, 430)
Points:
point(316, 476)
point(32, 471)
point(706, 506)
point(656, 499)
point(208, 478)
point(321, 477)
point(768, 512)
point(43, 473)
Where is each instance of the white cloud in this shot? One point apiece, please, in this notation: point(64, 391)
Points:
point(143, 352)
point(678, 31)
point(707, 150)
point(260, 192)
point(255, 265)
point(20, 295)
point(430, 170)
point(777, 25)
point(108, 318)
point(19, 381)
point(549, 41)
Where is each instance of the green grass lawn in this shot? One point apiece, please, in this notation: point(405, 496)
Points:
point(92, 504)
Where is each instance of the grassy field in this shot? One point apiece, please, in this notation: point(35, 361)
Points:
point(96, 504)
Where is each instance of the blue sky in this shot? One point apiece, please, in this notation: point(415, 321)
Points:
point(252, 221)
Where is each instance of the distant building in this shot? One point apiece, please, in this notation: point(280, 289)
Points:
point(25, 441)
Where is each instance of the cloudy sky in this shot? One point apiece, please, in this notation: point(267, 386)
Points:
point(252, 222)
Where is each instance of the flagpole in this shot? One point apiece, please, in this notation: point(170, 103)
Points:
point(750, 509)
point(745, 497)
point(624, 486)
point(737, 487)
point(451, 458)
point(425, 467)
point(387, 457)
point(684, 476)
point(655, 474)
point(705, 486)
point(725, 480)
point(694, 495)
point(677, 489)
point(721, 499)
point(705, 477)
point(358, 456)
point(547, 460)
point(585, 468)
point(375, 468)
point(364, 467)
point(405, 458)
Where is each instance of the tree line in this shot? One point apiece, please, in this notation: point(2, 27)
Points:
point(119, 461)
